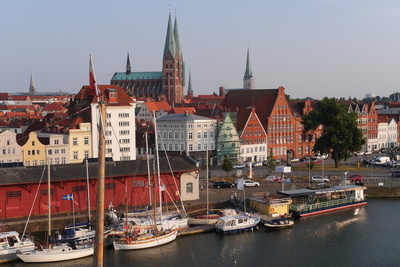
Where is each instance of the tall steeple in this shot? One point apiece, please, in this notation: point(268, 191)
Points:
point(181, 63)
point(32, 87)
point(128, 65)
point(170, 46)
point(248, 80)
point(190, 90)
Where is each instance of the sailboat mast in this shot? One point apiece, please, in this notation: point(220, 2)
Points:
point(207, 177)
point(88, 190)
point(99, 238)
point(158, 162)
point(148, 167)
point(49, 199)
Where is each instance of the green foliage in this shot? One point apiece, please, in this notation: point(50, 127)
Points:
point(271, 161)
point(227, 164)
point(340, 133)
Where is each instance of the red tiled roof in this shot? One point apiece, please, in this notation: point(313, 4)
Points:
point(55, 106)
point(181, 110)
point(157, 106)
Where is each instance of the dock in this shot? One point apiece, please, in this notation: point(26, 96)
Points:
point(198, 229)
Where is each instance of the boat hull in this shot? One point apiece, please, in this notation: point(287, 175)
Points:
point(55, 254)
point(316, 212)
point(202, 221)
point(145, 242)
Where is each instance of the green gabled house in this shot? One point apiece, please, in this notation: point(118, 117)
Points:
point(228, 139)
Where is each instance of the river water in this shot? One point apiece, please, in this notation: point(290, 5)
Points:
point(365, 236)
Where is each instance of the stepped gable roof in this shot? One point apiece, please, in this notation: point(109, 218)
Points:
point(262, 99)
point(71, 172)
point(181, 110)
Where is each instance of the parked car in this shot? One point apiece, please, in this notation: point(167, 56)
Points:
point(248, 183)
point(239, 166)
point(295, 160)
point(222, 184)
point(257, 164)
point(319, 179)
point(355, 177)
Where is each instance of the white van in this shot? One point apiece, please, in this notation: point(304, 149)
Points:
point(380, 160)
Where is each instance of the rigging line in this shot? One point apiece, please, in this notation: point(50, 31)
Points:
point(174, 179)
point(37, 191)
point(52, 124)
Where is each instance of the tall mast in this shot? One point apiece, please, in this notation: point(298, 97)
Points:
point(49, 200)
point(158, 163)
point(207, 176)
point(88, 192)
point(148, 168)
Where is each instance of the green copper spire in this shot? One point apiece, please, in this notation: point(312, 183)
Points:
point(190, 90)
point(248, 72)
point(177, 40)
point(170, 40)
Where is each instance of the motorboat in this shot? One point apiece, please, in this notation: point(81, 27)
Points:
point(238, 223)
point(279, 223)
point(211, 218)
point(10, 243)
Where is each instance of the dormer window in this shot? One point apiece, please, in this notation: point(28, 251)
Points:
point(112, 95)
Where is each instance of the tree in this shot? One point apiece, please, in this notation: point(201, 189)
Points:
point(271, 161)
point(227, 164)
point(340, 133)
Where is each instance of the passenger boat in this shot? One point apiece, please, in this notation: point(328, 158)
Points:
point(237, 223)
point(10, 243)
point(321, 199)
point(279, 223)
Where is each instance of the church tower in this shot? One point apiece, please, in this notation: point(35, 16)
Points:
point(248, 80)
point(32, 87)
point(190, 90)
point(173, 70)
point(128, 65)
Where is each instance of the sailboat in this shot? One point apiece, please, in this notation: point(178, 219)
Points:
point(133, 238)
point(56, 252)
point(208, 218)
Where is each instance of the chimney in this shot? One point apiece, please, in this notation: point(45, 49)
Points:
point(221, 91)
point(186, 113)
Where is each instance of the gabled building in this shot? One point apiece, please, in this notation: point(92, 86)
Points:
point(253, 137)
point(10, 151)
point(33, 148)
point(147, 110)
point(228, 139)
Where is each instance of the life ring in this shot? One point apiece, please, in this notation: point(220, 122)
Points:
point(271, 209)
point(129, 240)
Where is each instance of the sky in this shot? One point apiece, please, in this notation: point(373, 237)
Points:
point(314, 48)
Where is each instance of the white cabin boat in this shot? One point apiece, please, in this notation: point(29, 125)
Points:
point(10, 243)
point(238, 223)
point(211, 218)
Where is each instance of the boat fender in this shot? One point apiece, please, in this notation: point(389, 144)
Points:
point(272, 209)
point(137, 230)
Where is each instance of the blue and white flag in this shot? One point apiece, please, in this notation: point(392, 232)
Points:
point(240, 184)
point(68, 197)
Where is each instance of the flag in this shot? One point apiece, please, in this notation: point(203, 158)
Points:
point(68, 197)
point(161, 188)
point(92, 79)
point(240, 184)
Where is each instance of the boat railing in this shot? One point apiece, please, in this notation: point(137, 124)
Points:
point(303, 207)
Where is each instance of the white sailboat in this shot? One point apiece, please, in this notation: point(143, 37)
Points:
point(56, 252)
point(133, 238)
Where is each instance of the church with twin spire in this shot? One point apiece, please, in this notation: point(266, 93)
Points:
point(165, 84)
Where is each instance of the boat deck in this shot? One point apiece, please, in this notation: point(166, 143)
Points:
point(198, 229)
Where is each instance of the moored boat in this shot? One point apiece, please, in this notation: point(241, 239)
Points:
point(145, 241)
point(211, 218)
point(279, 223)
point(237, 223)
point(10, 243)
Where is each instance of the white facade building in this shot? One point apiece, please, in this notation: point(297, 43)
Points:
point(186, 132)
point(10, 151)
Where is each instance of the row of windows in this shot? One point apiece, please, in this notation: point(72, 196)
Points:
point(254, 150)
point(123, 115)
point(75, 154)
point(281, 117)
point(250, 133)
point(75, 141)
point(255, 141)
point(178, 147)
point(190, 125)
point(8, 151)
point(281, 128)
point(56, 151)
